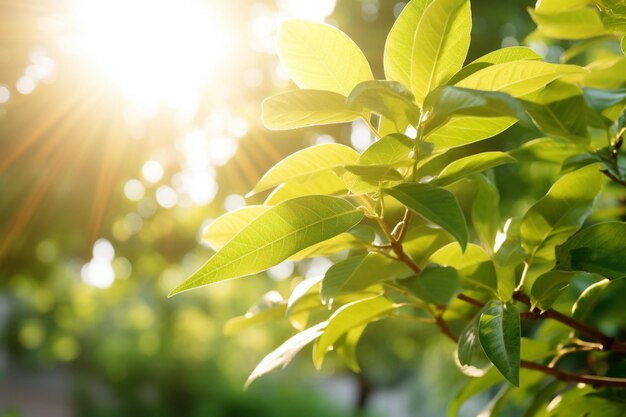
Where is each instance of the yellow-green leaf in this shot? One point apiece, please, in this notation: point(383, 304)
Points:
point(569, 24)
point(321, 57)
point(306, 163)
point(274, 236)
point(323, 183)
point(441, 43)
point(346, 318)
point(472, 164)
point(222, 229)
point(461, 130)
point(301, 108)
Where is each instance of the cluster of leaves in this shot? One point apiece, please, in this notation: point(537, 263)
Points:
point(414, 251)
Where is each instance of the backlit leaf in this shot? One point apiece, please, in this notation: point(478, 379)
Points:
point(461, 130)
point(441, 42)
point(301, 108)
point(275, 235)
point(569, 24)
point(306, 163)
point(386, 98)
point(321, 57)
point(464, 167)
point(225, 227)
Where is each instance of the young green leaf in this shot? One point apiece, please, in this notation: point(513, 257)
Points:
point(225, 227)
point(499, 334)
point(598, 248)
point(321, 57)
point(386, 98)
point(461, 130)
point(435, 284)
point(559, 213)
point(391, 150)
point(359, 272)
point(400, 42)
point(518, 78)
point(346, 347)
point(281, 357)
point(464, 167)
point(375, 173)
point(441, 42)
point(325, 182)
point(307, 163)
point(346, 318)
point(436, 205)
point(603, 99)
point(499, 56)
point(275, 235)
point(470, 356)
point(569, 24)
point(475, 268)
point(301, 108)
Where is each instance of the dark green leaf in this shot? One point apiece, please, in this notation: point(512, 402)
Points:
point(499, 334)
point(434, 284)
point(598, 248)
point(436, 205)
point(547, 287)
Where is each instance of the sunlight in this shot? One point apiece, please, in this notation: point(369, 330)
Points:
point(160, 52)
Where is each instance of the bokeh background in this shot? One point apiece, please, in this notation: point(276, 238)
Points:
point(125, 127)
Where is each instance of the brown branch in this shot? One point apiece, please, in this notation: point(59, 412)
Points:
point(593, 380)
point(613, 177)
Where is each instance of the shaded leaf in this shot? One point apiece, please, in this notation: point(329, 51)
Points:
point(436, 205)
point(470, 355)
point(588, 299)
point(434, 284)
point(475, 268)
point(486, 211)
point(598, 248)
point(547, 287)
point(560, 213)
point(391, 150)
point(386, 98)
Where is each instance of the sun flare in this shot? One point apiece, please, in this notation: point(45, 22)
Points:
point(159, 52)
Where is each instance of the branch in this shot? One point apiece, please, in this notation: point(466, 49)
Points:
point(593, 380)
point(613, 177)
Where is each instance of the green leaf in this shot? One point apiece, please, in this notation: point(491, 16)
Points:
point(598, 248)
point(436, 205)
point(434, 284)
point(441, 42)
point(391, 150)
point(281, 357)
point(474, 266)
point(560, 213)
point(359, 272)
point(473, 164)
point(225, 227)
point(486, 211)
point(321, 57)
point(346, 347)
point(470, 355)
point(602, 99)
point(301, 108)
point(518, 78)
point(499, 56)
point(307, 163)
point(551, 150)
point(346, 318)
point(386, 98)
point(444, 102)
point(275, 235)
point(400, 42)
point(569, 24)
point(589, 402)
point(325, 182)
point(333, 245)
point(375, 173)
point(547, 287)
point(461, 130)
point(588, 299)
point(558, 6)
point(623, 44)
point(499, 334)
point(271, 307)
